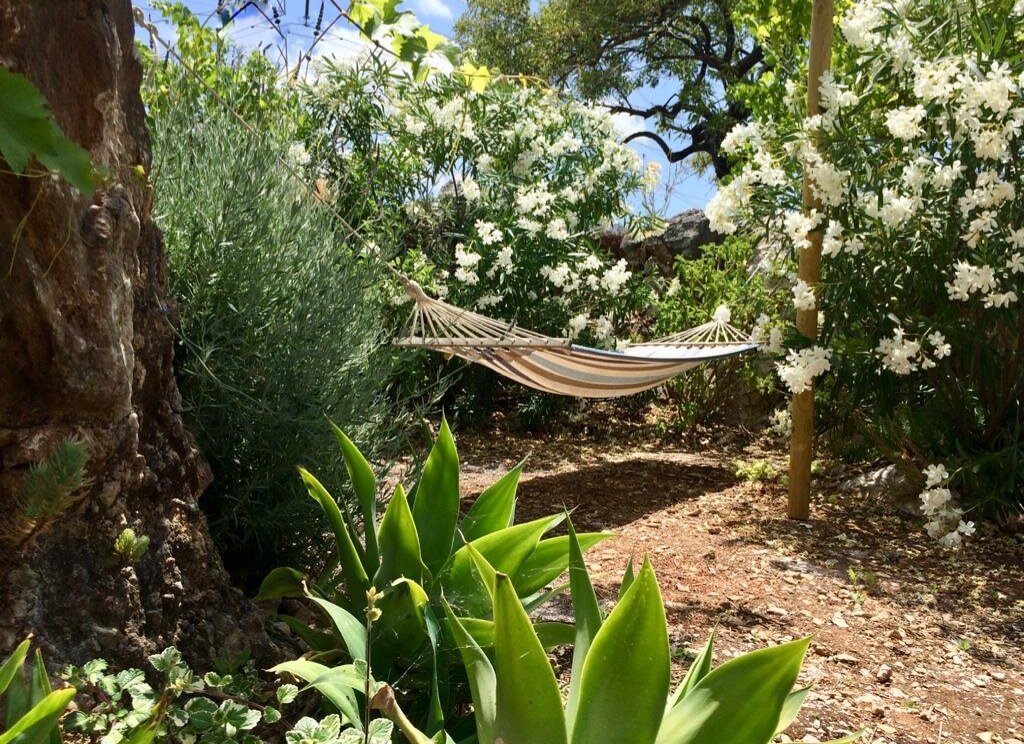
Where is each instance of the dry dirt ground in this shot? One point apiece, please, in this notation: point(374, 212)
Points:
point(911, 644)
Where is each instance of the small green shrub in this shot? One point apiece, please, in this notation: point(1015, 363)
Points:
point(420, 552)
point(185, 707)
point(31, 708)
point(723, 275)
point(757, 471)
point(131, 547)
point(280, 325)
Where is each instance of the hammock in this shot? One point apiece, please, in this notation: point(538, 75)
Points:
point(556, 365)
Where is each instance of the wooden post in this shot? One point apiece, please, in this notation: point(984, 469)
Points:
point(802, 437)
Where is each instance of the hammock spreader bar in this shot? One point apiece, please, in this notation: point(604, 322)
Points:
point(557, 365)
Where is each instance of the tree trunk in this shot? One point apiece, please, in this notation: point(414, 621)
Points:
point(86, 333)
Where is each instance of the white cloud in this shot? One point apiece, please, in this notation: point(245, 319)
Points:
point(437, 8)
point(627, 124)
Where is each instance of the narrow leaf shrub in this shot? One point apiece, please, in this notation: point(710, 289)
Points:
point(279, 328)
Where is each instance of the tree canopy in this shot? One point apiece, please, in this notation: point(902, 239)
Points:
point(683, 67)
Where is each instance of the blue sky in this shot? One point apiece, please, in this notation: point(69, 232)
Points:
point(680, 189)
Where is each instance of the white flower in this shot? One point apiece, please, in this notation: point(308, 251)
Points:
point(297, 155)
point(415, 126)
point(503, 259)
point(722, 314)
point(798, 227)
point(905, 122)
point(577, 324)
point(899, 353)
point(934, 500)
point(969, 279)
point(935, 474)
point(488, 232)
point(556, 229)
point(1015, 263)
point(965, 528)
point(803, 296)
point(1000, 299)
point(673, 287)
point(939, 345)
point(801, 367)
point(487, 301)
point(470, 189)
point(604, 329)
point(466, 259)
point(616, 277)
point(781, 423)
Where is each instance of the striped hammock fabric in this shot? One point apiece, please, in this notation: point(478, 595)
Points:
point(558, 366)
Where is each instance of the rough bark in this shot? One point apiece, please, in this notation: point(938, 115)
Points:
point(86, 350)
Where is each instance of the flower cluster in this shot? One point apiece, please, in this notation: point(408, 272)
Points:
point(801, 367)
point(944, 516)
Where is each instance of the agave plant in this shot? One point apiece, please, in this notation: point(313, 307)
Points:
point(32, 709)
point(421, 549)
point(620, 678)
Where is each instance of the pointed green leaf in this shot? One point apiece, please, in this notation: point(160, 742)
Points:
point(549, 560)
point(399, 543)
point(626, 673)
point(436, 506)
point(627, 579)
point(356, 579)
point(15, 700)
point(28, 128)
point(791, 708)
point(364, 483)
point(336, 684)
point(37, 723)
point(506, 550)
point(529, 707)
point(551, 634)
point(401, 630)
point(588, 622)
point(698, 670)
point(348, 626)
point(741, 700)
point(281, 582)
point(313, 638)
point(482, 680)
point(494, 509)
point(39, 688)
point(12, 664)
point(439, 675)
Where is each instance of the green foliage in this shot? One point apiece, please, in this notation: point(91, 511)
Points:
point(185, 707)
point(31, 708)
point(755, 472)
point(404, 565)
point(28, 129)
point(49, 488)
point(620, 677)
point(130, 547)
point(724, 275)
point(279, 311)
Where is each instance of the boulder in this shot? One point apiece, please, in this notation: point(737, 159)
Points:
point(685, 235)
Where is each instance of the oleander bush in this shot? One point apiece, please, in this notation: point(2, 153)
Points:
point(916, 160)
